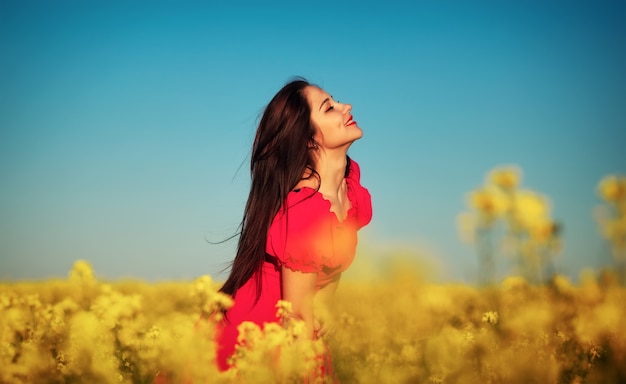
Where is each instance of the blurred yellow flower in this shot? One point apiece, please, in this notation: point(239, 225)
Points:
point(81, 271)
point(530, 209)
point(514, 283)
point(563, 284)
point(613, 188)
point(542, 230)
point(489, 201)
point(284, 308)
point(47, 336)
point(211, 302)
point(508, 178)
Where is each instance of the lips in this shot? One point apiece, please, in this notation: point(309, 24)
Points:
point(350, 121)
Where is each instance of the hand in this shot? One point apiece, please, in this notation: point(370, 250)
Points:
point(319, 328)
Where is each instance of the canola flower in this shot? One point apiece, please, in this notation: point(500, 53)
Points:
point(612, 189)
point(490, 317)
point(490, 202)
point(508, 178)
point(391, 327)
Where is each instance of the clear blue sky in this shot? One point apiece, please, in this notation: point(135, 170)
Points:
point(125, 126)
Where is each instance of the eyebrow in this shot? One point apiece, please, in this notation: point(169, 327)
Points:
point(326, 100)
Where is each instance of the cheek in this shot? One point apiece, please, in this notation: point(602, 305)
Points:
point(326, 127)
point(331, 124)
point(318, 133)
point(321, 126)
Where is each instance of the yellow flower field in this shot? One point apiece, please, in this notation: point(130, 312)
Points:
point(388, 323)
point(389, 327)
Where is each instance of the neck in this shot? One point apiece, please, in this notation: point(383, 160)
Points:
point(331, 166)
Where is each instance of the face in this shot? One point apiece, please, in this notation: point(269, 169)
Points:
point(334, 126)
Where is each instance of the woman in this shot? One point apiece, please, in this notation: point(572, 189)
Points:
point(298, 232)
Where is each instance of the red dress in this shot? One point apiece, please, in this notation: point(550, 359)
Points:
point(306, 237)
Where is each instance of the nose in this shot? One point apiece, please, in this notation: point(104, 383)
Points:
point(347, 108)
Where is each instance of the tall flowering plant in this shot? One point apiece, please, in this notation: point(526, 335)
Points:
point(505, 218)
point(611, 218)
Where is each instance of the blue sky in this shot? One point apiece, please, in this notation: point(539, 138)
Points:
point(125, 127)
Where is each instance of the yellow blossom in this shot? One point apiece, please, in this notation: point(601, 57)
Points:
point(210, 301)
point(508, 178)
point(613, 188)
point(542, 230)
point(284, 309)
point(530, 209)
point(394, 327)
point(489, 201)
point(81, 271)
point(563, 284)
point(514, 283)
point(490, 317)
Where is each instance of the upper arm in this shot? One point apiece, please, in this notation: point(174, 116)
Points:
point(325, 293)
point(299, 289)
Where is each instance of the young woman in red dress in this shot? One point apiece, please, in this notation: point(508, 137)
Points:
point(306, 203)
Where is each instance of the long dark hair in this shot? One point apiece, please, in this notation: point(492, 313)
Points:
point(280, 157)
